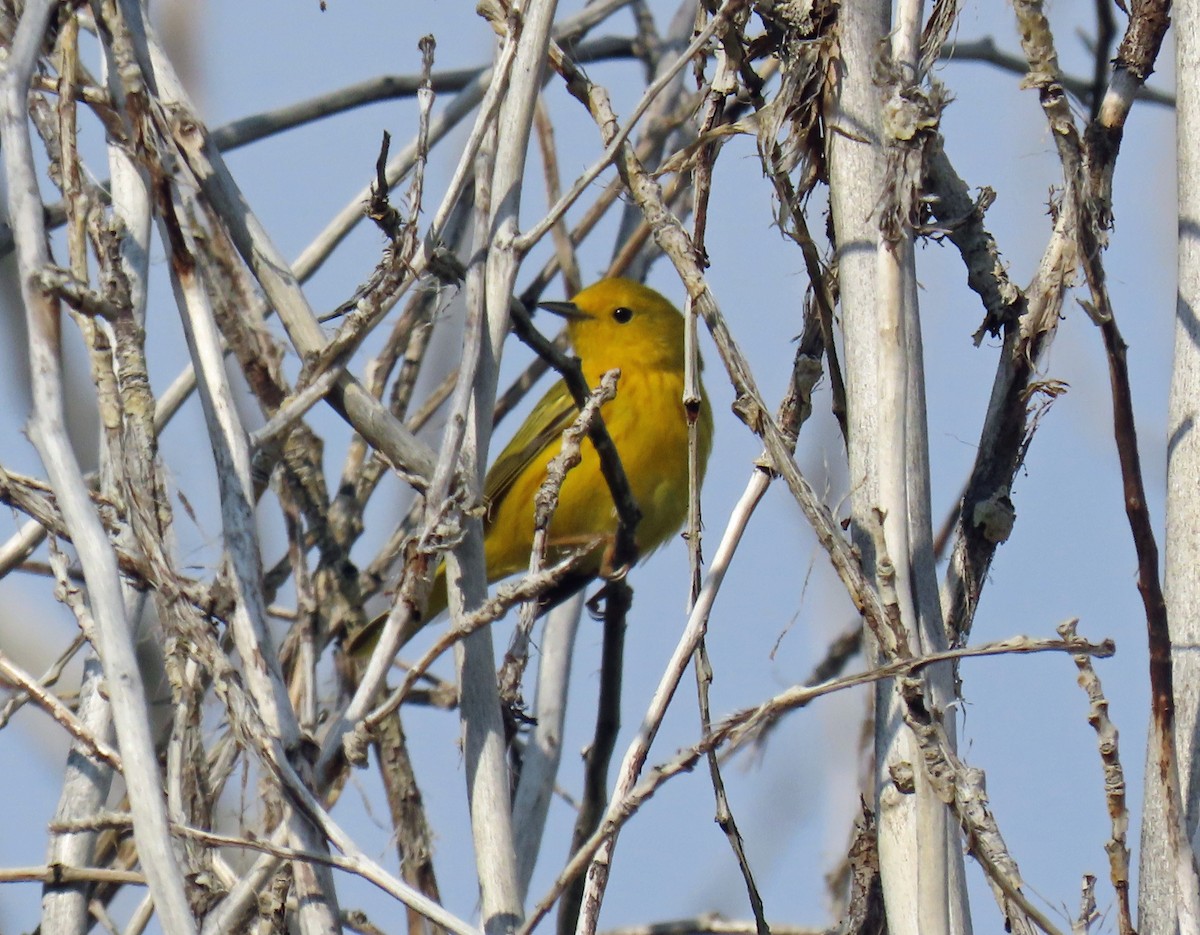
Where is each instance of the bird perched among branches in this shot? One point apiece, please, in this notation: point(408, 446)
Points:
point(613, 324)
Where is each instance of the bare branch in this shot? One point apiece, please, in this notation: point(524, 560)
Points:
point(48, 432)
point(1114, 789)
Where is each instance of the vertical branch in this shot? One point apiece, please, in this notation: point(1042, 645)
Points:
point(543, 752)
point(87, 779)
point(1114, 784)
point(48, 432)
point(1157, 896)
point(886, 441)
point(85, 791)
point(854, 158)
point(1183, 468)
point(487, 769)
point(481, 724)
point(1162, 751)
point(927, 894)
point(724, 83)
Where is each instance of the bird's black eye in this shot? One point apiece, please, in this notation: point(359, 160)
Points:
point(622, 315)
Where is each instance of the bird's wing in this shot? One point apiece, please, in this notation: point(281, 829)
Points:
point(549, 419)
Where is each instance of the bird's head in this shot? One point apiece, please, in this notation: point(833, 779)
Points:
point(621, 323)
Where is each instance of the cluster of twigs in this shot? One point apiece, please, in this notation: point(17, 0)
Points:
point(766, 68)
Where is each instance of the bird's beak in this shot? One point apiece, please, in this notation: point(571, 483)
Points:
point(567, 310)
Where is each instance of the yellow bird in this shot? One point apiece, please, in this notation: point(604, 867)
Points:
point(613, 324)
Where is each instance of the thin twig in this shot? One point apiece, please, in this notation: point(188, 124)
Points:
point(1114, 786)
point(35, 691)
point(724, 83)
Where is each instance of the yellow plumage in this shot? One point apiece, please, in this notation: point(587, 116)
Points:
point(613, 324)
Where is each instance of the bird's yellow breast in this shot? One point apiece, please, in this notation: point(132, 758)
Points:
point(648, 424)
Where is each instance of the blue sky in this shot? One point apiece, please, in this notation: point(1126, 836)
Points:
point(1024, 719)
